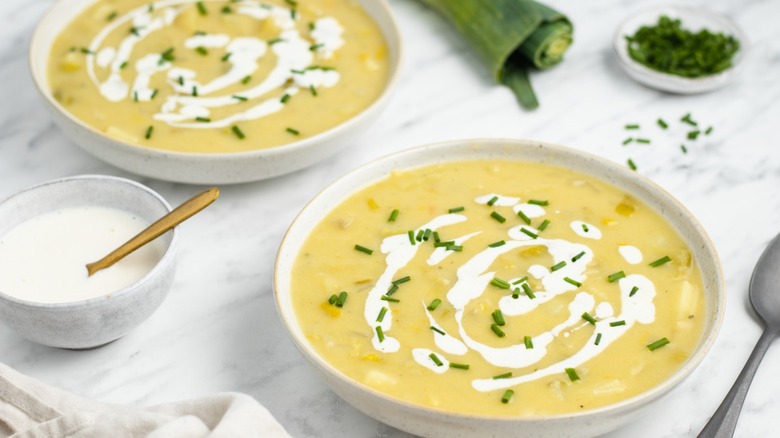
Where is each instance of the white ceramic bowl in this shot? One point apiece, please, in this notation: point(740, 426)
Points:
point(692, 19)
point(203, 168)
point(435, 423)
point(97, 321)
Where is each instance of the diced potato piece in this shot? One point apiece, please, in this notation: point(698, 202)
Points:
point(330, 309)
point(613, 386)
point(533, 251)
point(688, 301)
point(378, 379)
point(72, 61)
point(626, 207)
point(372, 204)
point(371, 357)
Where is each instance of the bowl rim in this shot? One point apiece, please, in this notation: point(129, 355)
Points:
point(166, 259)
point(703, 83)
point(392, 38)
point(627, 405)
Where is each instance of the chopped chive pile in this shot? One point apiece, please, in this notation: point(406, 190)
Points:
point(616, 276)
point(362, 248)
point(657, 344)
point(663, 260)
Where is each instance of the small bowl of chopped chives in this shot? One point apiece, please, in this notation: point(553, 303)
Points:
point(679, 49)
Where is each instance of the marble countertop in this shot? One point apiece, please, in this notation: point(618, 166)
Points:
point(218, 330)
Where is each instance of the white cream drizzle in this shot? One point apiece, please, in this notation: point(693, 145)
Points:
point(473, 280)
point(295, 65)
point(631, 254)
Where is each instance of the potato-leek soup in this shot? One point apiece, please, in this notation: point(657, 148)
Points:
point(499, 288)
point(218, 76)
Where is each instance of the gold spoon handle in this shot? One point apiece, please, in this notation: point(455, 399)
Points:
point(155, 230)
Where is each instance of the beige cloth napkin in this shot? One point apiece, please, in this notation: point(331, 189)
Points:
point(29, 408)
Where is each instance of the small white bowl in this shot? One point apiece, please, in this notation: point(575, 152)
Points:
point(206, 168)
point(97, 321)
point(437, 423)
point(692, 19)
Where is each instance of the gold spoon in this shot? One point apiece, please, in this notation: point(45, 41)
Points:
point(155, 230)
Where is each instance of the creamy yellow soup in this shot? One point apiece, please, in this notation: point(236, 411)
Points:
point(499, 288)
point(218, 76)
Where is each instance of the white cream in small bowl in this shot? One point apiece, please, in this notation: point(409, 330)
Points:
point(47, 235)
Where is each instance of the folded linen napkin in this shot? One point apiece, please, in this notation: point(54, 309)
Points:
point(29, 408)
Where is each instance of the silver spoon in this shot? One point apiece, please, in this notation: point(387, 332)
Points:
point(765, 298)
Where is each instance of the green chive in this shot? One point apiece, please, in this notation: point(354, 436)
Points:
point(557, 266)
point(528, 233)
point(380, 334)
point(285, 98)
point(227, 56)
point(364, 249)
point(577, 257)
point(498, 317)
point(543, 203)
point(662, 123)
point(134, 31)
point(202, 8)
point(154, 93)
point(420, 234)
point(585, 228)
point(573, 282)
point(520, 280)
point(523, 216)
point(628, 140)
point(693, 134)
point(683, 149)
point(498, 217)
point(426, 234)
point(203, 119)
point(393, 216)
point(633, 291)
point(390, 299)
point(617, 323)
point(528, 291)
point(202, 50)
point(293, 131)
point(333, 298)
point(572, 374)
point(313, 90)
point(616, 276)
point(181, 80)
point(195, 91)
point(135, 96)
point(456, 209)
point(631, 164)
point(492, 201)
point(123, 65)
point(437, 330)
point(436, 359)
point(241, 98)
point(392, 290)
point(410, 233)
point(434, 304)
point(112, 15)
point(293, 14)
point(598, 339)
point(86, 51)
point(381, 315)
point(315, 47)
point(543, 225)
point(657, 344)
point(342, 299)
point(402, 280)
point(312, 25)
point(460, 366)
point(708, 131)
point(149, 132)
point(227, 10)
point(631, 127)
point(436, 237)
point(292, 2)
point(499, 283)
point(274, 41)
point(529, 342)
point(661, 261)
point(516, 293)
point(503, 376)
point(497, 244)
point(643, 140)
point(199, 33)
point(456, 248)
point(246, 79)
point(507, 396)
point(236, 130)
point(497, 330)
point(586, 316)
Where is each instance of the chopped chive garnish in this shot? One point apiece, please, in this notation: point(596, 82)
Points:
point(498, 217)
point(572, 373)
point(616, 276)
point(86, 51)
point(497, 330)
point(628, 140)
point(154, 93)
point(434, 304)
point(571, 281)
point(631, 164)
point(498, 317)
point(379, 333)
point(543, 225)
point(246, 79)
point(617, 323)
point(585, 228)
point(202, 50)
point(381, 315)
point(199, 33)
point(503, 376)
point(683, 149)
point(634, 290)
point(460, 366)
point(227, 10)
point(687, 119)
point(633, 126)
point(167, 55)
point(402, 280)
point(390, 299)
point(293, 131)
point(364, 249)
point(643, 140)
point(410, 233)
point(507, 396)
point(708, 131)
point(203, 119)
point(577, 257)
point(456, 248)
point(181, 80)
point(392, 290)
point(112, 15)
point(420, 234)
point(135, 96)
point(227, 56)
point(446, 244)
point(456, 209)
point(492, 201)
point(274, 41)
point(426, 234)
point(123, 65)
point(557, 266)
point(241, 98)
point(236, 130)
point(516, 293)
point(662, 123)
point(438, 330)
point(312, 26)
point(393, 215)
point(342, 299)
point(661, 261)
point(528, 291)
point(528, 233)
point(497, 244)
point(134, 30)
point(293, 13)
point(284, 98)
point(149, 130)
point(529, 342)
point(333, 298)
point(195, 91)
point(436, 359)
point(292, 2)
point(202, 8)
point(586, 316)
point(520, 280)
point(313, 90)
point(693, 134)
point(524, 217)
point(315, 47)
point(499, 283)
point(598, 339)
point(542, 202)
point(657, 344)
point(436, 237)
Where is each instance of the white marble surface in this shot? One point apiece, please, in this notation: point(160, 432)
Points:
point(218, 329)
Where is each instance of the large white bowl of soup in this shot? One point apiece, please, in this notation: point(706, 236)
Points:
point(491, 287)
point(216, 91)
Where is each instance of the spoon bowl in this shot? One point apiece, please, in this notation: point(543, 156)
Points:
point(765, 285)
